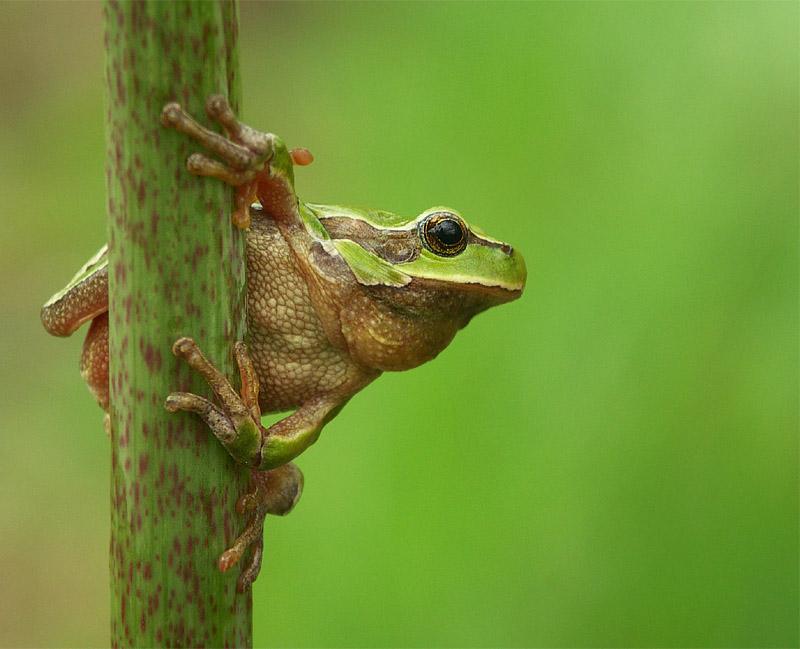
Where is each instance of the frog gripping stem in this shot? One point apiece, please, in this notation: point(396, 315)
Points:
point(246, 154)
point(237, 426)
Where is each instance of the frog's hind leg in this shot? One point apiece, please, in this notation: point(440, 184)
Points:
point(273, 492)
point(82, 300)
point(94, 360)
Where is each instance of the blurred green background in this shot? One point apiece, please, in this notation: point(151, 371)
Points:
point(611, 461)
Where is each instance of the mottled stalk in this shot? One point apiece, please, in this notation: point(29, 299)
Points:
point(176, 269)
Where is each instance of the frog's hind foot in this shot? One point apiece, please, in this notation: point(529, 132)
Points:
point(273, 492)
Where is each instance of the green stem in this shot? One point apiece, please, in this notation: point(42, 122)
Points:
point(176, 268)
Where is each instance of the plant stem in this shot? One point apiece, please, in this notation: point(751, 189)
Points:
point(176, 268)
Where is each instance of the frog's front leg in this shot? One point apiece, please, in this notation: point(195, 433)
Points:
point(277, 484)
point(257, 164)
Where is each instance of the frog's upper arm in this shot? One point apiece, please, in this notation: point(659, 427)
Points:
point(84, 298)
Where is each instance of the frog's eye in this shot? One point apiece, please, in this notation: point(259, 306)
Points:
point(444, 234)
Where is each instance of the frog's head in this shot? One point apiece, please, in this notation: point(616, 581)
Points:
point(464, 258)
point(432, 273)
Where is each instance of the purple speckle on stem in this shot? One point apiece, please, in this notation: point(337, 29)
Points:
point(168, 510)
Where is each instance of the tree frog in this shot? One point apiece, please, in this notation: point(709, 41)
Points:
point(336, 295)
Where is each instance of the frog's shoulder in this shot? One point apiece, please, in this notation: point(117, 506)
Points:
point(82, 299)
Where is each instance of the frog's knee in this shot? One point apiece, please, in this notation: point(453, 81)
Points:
point(279, 488)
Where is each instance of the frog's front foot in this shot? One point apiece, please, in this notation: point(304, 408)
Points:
point(251, 158)
point(237, 421)
point(237, 425)
point(247, 152)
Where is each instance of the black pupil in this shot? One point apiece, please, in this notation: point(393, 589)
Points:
point(448, 232)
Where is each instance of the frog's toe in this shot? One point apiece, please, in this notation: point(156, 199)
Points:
point(198, 164)
point(247, 149)
point(219, 108)
point(301, 157)
point(250, 573)
point(219, 423)
point(252, 536)
point(260, 144)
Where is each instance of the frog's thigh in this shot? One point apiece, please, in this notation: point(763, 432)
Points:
point(94, 360)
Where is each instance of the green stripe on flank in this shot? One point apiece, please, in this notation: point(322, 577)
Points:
point(313, 225)
point(368, 268)
point(377, 218)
